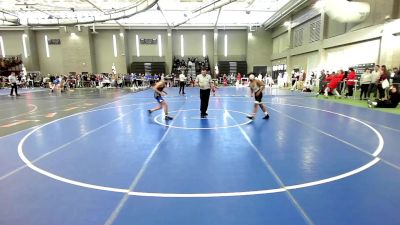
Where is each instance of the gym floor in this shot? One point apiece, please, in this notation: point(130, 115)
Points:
point(93, 157)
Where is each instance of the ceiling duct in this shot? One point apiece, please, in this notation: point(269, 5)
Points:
point(346, 12)
point(141, 6)
point(9, 17)
point(205, 9)
point(284, 12)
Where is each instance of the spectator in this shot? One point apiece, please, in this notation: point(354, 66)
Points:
point(365, 81)
point(374, 80)
point(350, 82)
point(396, 77)
point(391, 102)
point(384, 75)
point(332, 86)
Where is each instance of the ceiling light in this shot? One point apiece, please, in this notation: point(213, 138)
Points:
point(74, 36)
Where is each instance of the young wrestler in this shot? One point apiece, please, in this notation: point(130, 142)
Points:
point(158, 93)
point(257, 88)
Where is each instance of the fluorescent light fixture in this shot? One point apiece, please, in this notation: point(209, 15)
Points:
point(137, 46)
point(204, 45)
point(226, 45)
point(159, 46)
point(115, 45)
point(2, 47)
point(73, 35)
point(182, 46)
point(24, 36)
point(47, 46)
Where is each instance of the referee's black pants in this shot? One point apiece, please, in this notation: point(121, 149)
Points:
point(204, 98)
point(182, 87)
point(13, 87)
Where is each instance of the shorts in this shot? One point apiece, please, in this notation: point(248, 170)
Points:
point(158, 98)
point(258, 99)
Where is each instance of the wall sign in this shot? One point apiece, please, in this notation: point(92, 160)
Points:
point(148, 41)
point(54, 42)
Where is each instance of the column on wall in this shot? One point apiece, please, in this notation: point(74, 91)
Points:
point(322, 58)
point(289, 66)
point(168, 52)
point(31, 60)
point(389, 45)
point(259, 49)
point(124, 47)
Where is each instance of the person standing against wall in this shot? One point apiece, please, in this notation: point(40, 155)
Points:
point(12, 79)
point(384, 77)
point(374, 79)
point(365, 81)
point(204, 81)
point(182, 83)
point(351, 82)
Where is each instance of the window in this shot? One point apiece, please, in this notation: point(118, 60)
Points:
point(24, 36)
point(298, 37)
point(204, 45)
point(2, 47)
point(47, 46)
point(182, 46)
point(115, 45)
point(137, 46)
point(226, 45)
point(159, 46)
point(315, 29)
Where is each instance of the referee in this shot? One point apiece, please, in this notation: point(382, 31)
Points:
point(204, 80)
point(12, 79)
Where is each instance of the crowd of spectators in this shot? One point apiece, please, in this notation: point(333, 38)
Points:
point(374, 81)
point(191, 66)
point(8, 62)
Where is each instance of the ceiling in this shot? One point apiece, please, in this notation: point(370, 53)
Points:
point(171, 13)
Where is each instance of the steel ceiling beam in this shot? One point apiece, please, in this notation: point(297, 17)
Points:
point(216, 21)
point(202, 12)
point(96, 19)
point(162, 13)
point(101, 10)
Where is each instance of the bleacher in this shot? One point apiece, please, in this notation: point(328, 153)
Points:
point(10, 64)
point(228, 67)
point(148, 67)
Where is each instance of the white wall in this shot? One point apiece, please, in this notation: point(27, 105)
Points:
point(53, 64)
point(193, 42)
point(146, 49)
point(104, 52)
point(346, 56)
point(237, 45)
point(12, 42)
